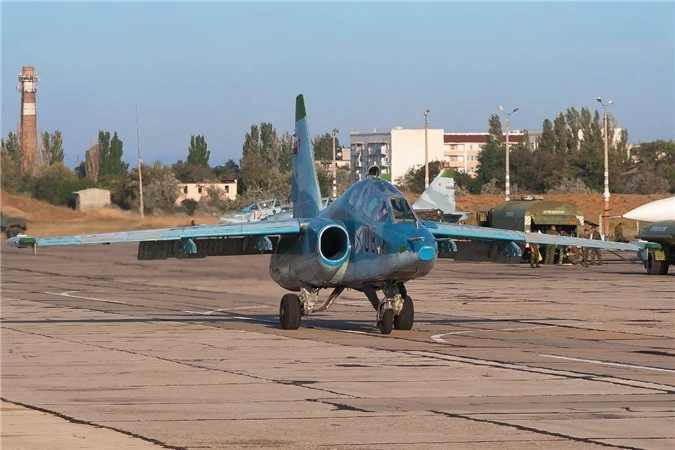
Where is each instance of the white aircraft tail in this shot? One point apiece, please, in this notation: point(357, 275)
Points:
point(440, 194)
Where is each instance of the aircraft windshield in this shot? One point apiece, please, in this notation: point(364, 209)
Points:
point(402, 210)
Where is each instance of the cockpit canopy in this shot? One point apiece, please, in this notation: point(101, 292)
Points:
point(380, 201)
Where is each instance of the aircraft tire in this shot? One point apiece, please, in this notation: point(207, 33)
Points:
point(655, 267)
point(406, 319)
point(387, 323)
point(290, 312)
point(664, 268)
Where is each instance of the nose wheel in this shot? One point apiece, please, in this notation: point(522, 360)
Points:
point(386, 322)
point(406, 318)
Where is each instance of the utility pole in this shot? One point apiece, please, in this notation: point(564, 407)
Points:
point(335, 132)
point(426, 148)
point(605, 219)
point(140, 163)
point(508, 182)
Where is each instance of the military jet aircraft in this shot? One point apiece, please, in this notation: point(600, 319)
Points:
point(369, 239)
point(255, 211)
point(437, 202)
point(659, 250)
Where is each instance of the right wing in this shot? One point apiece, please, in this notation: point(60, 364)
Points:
point(454, 231)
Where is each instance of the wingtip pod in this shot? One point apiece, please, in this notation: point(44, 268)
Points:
point(21, 241)
point(300, 111)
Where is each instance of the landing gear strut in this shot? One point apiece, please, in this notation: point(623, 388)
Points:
point(395, 310)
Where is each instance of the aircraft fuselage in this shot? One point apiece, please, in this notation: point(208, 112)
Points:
point(361, 239)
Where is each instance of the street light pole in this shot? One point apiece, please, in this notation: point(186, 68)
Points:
point(426, 148)
point(508, 182)
point(605, 215)
point(335, 131)
point(141, 208)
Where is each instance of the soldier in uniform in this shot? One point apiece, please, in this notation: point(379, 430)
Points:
point(584, 250)
point(550, 249)
point(618, 233)
point(534, 255)
point(595, 252)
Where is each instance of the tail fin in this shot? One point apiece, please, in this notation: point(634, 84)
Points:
point(440, 194)
point(305, 192)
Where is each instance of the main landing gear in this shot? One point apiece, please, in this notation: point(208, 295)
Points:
point(395, 311)
point(293, 307)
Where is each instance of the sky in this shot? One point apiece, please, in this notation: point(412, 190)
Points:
point(217, 68)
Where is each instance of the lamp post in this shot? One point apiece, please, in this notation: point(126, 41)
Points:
point(508, 182)
point(141, 208)
point(605, 215)
point(335, 131)
point(426, 148)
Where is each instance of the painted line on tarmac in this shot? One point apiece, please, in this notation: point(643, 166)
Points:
point(608, 363)
point(213, 311)
point(544, 371)
point(439, 337)
point(68, 294)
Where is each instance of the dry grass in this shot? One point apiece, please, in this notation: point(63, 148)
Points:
point(49, 220)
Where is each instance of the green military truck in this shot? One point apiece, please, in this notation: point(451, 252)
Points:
point(12, 225)
point(533, 216)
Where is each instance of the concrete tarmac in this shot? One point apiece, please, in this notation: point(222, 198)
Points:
point(100, 350)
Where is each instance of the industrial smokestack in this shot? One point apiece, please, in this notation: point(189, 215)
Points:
point(27, 86)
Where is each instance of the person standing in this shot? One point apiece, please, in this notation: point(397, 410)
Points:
point(595, 252)
point(618, 233)
point(584, 250)
point(534, 255)
point(550, 249)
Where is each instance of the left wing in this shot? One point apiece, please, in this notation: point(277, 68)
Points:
point(182, 242)
point(448, 230)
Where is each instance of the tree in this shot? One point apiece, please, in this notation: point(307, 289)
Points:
point(574, 122)
point(52, 147)
point(110, 151)
point(323, 146)
point(269, 148)
point(658, 157)
point(251, 143)
point(561, 145)
point(647, 182)
point(491, 158)
point(228, 171)
point(57, 183)
point(413, 180)
point(198, 154)
point(160, 189)
point(11, 173)
point(12, 146)
point(264, 142)
point(285, 152)
point(191, 173)
point(547, 139)
point(92, 162)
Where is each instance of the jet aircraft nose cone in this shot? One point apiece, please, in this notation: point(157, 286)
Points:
point(426, 253)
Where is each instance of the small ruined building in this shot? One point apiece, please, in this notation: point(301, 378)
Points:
point(196, 191)
point(90, 199)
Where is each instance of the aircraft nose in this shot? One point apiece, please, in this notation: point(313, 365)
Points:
point(426, 253)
